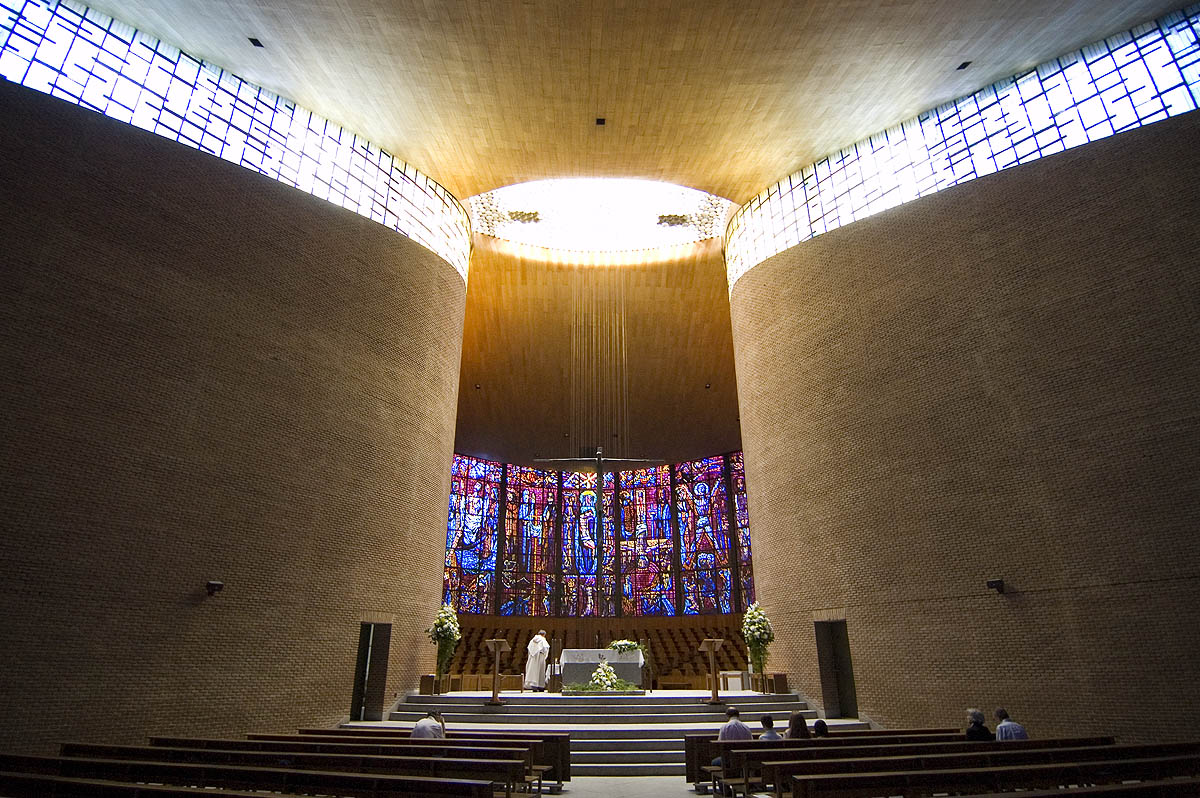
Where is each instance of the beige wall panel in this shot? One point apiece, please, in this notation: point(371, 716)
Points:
point(208, 375)
point(998, 381)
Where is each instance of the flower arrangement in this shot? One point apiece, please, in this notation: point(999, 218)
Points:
point(622, 646)
point(604, 677)
point(446, 634)
point(756, 628)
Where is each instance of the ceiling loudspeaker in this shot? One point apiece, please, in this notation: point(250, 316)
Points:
point(996, 584)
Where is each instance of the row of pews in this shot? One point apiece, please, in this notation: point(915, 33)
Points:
point(348, 761)
point(927, 762)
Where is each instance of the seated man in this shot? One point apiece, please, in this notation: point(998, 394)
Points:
point(1009, 729)
point(769, 733)
point(430, 726)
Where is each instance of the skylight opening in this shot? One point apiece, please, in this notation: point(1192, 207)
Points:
point(599, 214)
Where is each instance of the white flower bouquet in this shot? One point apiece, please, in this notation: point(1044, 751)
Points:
point(756, 628)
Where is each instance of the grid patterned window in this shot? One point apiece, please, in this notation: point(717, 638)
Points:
point(703, 515)
point(526, 575)
point(72, 52)
point(1132, 79)
point(647, 543)
point(471, 534)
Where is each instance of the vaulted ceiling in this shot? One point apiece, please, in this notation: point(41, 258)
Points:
point(722, 96)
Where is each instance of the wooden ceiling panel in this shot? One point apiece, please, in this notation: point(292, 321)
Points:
point(725, 97)
point(522, 310)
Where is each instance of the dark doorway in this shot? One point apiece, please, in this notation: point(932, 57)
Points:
point(370, 674)
point(837, 671)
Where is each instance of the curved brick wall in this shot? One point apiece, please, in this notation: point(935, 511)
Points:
point(208, 375)
point(1000, 380)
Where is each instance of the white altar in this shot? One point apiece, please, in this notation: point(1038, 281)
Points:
point(578, 664)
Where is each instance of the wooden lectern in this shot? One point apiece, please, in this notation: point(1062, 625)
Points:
point(497, 647)
point(710, 645)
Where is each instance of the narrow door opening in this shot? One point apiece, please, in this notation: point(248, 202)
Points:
point(370, 673)
point(837, 671)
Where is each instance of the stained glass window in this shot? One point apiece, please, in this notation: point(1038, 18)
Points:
point(578, 548)
point(526, 578)
point(550, 560)
point(647, 544)
point(737, 474)
point(702, 513)
point(471, 534)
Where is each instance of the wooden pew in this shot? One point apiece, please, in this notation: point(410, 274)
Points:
point(506, 772)
point(1167, 788)
point(280, 780)
point(701, 749)
point(970, 781)
point(487, 750)
point(44, 785)
point(739, 760)
point(551, 748)
point(780, 772)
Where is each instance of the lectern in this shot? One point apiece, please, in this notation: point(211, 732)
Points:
point(497, 646)
point(710, 645)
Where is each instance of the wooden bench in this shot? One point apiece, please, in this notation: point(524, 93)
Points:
point(779, 773)
point(1166, 788)
point(533, 777)
point(234, 777)
point(552, 749)
point(701, 749)
point(44, 785)
point(741, 761)
point(994, 779)
point(506, 772)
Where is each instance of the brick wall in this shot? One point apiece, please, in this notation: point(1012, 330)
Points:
point(998, 381)
point(208, 375)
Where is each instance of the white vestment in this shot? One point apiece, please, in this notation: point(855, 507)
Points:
point(535, 667)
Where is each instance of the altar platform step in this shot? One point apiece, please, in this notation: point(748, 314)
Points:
point(610, 735)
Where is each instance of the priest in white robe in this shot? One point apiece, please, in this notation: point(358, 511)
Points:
point(535, 666)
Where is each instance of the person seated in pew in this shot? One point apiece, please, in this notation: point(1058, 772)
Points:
point(1009, 729)
point(733, 729)
point(768, 733)
point(976, 727)
point(820, 729)
point(430, 726)
point(797, 727)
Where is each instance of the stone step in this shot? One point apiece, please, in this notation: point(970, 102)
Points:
point(549, 699)
point(660, 756)
point(627, 744)
point(581, 708)
point(628, 769)
point(531, 720)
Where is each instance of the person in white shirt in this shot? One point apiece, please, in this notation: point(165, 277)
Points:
point(1009, 729)
point(535, 666)
point(430, 726)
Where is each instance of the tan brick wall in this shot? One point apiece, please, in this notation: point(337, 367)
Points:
point(998, 381)
point(208, 375)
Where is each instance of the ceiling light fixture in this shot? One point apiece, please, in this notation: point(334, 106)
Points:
point(256, 42)
point(964, 65)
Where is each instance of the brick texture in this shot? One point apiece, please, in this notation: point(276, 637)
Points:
point(998, 381)
point(208, 375)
